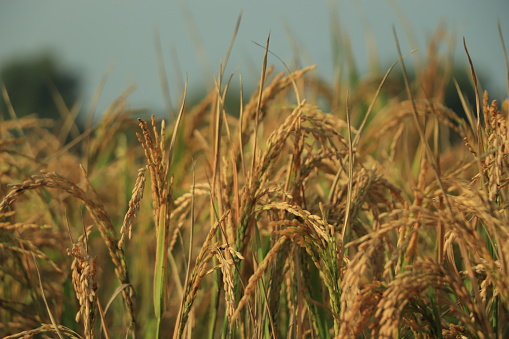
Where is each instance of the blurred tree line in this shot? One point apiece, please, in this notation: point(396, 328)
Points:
point(37, 85)
point(40, 85)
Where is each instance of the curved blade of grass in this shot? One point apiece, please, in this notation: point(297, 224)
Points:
point(161, 264)
point(160, 269)
point(477, 99)
point(53, 321)
point(103, 320)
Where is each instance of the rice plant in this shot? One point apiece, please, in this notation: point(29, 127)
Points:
point(381, 217)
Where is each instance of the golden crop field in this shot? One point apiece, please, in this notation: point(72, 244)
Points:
point(366, 208)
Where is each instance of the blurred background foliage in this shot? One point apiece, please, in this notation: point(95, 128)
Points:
point(39, 85)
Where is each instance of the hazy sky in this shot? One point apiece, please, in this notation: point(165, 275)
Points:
point(95, 36)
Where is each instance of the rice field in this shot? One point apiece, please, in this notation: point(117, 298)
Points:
point(365, 208)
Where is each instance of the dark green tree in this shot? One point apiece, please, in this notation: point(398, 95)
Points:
point(33, 85)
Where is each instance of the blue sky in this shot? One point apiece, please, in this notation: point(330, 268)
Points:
point(118, 37)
